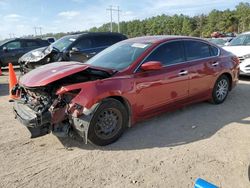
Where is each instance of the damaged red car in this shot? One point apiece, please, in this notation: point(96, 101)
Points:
point(132, 80)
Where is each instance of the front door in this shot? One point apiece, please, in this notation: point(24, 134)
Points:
point(157, 88)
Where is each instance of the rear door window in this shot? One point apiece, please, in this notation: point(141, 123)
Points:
point(196, 50)
point(13, 45)
point(214, 51)
point(168, 54)
point(31, 43)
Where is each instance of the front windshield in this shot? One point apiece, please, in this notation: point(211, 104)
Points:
point(241, 40)
point(219, 42)
point(119, 56)
point(64, 42)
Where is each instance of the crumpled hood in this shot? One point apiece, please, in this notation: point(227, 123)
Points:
point(49, 73)
point(36, 55)
point(238, 50)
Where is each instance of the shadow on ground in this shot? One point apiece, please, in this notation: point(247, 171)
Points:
point(190, 124)
point(193, 123)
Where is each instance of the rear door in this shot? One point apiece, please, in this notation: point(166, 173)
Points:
point(203, 63)
point(30, 45)
point(159, 88)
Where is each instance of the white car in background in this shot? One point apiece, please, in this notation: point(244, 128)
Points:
point(240, 46)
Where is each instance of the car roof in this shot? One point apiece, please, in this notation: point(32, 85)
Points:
point(96, 34)
point(160, 38)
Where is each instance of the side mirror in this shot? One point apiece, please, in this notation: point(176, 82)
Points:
point(74, 49)
point(5, 49)
point(151, 65)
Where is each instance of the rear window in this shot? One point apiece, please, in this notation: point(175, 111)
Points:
point(196, 50)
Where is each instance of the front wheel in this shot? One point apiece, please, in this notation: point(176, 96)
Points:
point(221, 90)
point(108, 122)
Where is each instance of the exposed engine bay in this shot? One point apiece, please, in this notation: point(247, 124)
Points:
point(43, 110)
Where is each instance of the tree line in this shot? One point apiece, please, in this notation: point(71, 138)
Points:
point(227, 21)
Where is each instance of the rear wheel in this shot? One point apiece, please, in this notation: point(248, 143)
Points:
point(221, 90)
point(108, 122)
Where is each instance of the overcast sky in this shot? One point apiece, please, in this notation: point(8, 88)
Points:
point(20, 16)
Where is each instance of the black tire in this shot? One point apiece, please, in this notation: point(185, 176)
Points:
point(220, 90)
point(108, 123)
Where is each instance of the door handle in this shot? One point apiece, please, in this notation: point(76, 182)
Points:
point(183, 73)
point(215, 64)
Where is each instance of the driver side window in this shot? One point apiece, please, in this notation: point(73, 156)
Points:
point(83, 44)
point(168, 54)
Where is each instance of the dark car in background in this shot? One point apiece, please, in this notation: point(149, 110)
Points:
point(77, 47)
point(12, 50)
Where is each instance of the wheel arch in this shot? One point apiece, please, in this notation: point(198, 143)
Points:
point(127, 105)
point(229, 76)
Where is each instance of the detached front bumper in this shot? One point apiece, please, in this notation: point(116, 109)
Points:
point(37, 124)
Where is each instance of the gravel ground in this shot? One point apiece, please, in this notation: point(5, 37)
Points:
point(171, 150)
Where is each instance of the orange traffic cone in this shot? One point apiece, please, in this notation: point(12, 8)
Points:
point(12, 81)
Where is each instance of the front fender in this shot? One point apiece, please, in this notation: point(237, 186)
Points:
point(94, 91)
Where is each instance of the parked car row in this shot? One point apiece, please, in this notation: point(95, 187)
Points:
point(240, 46)
point(78, 47)
point(127, 82)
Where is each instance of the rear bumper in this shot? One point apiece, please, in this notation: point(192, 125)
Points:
point(38, 125)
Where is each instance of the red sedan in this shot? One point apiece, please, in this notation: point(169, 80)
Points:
point(126, 83)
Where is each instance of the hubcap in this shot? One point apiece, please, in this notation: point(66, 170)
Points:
point(109, 122)
point(222, 89)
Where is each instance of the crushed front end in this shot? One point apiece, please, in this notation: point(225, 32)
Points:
point(33, 109)
point(42, 112)
point(51, 107)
